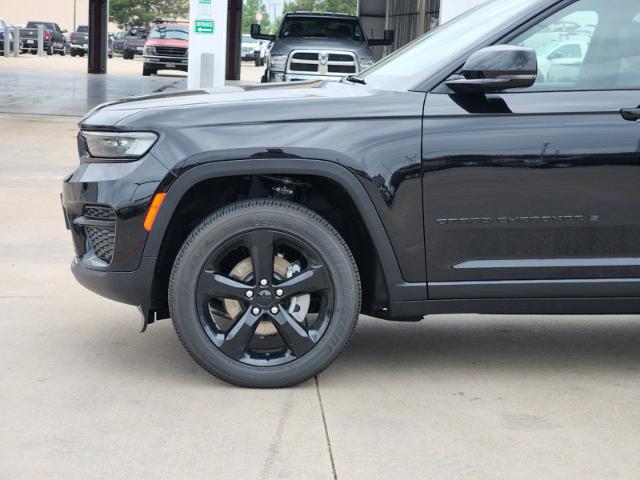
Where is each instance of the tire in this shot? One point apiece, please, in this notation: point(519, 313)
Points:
point(258, 62)
point(81, 53)
point(264, 78)
point(62, 53)
point(73, 53)
point(298, 347)
point(148, 71)
point(49, 50)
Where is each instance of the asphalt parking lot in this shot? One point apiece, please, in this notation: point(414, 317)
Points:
point(84, 395)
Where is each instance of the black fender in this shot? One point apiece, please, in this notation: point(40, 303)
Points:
point(398, 289)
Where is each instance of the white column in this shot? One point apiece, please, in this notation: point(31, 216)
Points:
point(207, 43)
point(452, 8)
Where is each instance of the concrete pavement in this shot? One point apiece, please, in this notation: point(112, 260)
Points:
point(83, 395)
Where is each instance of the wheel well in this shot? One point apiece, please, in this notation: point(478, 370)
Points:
point(322, 195)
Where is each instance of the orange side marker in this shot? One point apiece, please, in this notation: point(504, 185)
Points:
point(153, 210)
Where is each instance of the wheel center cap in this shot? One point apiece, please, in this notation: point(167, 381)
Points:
point(264, 298)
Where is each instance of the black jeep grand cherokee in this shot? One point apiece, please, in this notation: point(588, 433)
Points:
point(467, 172)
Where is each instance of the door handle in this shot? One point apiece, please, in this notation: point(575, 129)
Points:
point(631, 114)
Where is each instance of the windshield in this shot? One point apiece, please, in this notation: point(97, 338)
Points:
point(321, 27)
point(171, 33)
point(83, 29)
point(411, 65)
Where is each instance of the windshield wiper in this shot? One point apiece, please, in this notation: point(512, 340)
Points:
point(355, 79)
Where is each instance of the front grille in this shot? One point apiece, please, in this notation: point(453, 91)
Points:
point(102, 241)
point(322, 63)
point(171, 51)
point(99, 213)
point(100, 230)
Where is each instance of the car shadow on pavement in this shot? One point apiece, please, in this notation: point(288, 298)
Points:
point(516, 343)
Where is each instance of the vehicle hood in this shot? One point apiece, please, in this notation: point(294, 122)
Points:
point(233, 105)
point(166, 42)
point(283, 46)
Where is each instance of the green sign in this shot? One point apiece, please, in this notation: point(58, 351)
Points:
point(204, 27)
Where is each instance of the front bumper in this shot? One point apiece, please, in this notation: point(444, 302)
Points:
point(166, 63)
point(132, 288)
point(115, 197)
point(300, 77)
point(80, 46)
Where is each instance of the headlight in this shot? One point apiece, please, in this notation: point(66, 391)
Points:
point(366, 63)
point(278, 61)
point(116, 145)
point(150, 51)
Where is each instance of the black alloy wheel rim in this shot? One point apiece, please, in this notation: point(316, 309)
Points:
point(265, 297)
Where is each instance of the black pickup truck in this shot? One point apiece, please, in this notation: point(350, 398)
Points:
point(79, 41)
point(449, 177)
point(54, 40)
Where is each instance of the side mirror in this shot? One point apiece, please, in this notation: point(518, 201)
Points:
point(497, 68)
point(389, 36)
point(255, 33)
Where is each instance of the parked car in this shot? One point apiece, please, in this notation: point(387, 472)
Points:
point(167, 48)
point(447, 178)
point(118, 43)
point(53, 38)
point(247, 47)
point(317, 46)
point(134, 42)
point(3, 30)
point(79, 41)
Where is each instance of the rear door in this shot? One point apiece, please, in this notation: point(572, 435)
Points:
point(537, 192)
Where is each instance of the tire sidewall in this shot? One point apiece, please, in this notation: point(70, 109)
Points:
point(213, 233)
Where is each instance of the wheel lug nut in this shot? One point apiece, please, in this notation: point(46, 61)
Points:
point(279, 292)
point(263, 282)
point(249, 293)
point(274, 310)
point(255, 310)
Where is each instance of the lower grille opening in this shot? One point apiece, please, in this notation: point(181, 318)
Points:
point(102, 240)
point(99, 224)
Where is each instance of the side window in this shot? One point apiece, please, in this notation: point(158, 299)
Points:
point(587, 46)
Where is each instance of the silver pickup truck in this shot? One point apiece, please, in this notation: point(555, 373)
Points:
point(310, 46)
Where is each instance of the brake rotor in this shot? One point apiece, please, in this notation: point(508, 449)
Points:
point(282, 269)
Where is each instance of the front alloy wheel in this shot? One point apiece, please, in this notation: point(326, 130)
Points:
point(264, 294)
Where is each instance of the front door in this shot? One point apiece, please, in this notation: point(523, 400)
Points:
point(537, 192)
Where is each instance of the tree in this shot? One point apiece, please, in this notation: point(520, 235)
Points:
point(249, 10)
point(134, 13)
point(350, 7)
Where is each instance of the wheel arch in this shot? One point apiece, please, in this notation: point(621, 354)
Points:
point(396, 288)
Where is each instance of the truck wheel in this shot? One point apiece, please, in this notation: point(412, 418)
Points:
point(62, 52)
point(49, 50)
point(264, 293)
point(148, 71)
point(73, 53)
point(257, 61)
point(264, 78)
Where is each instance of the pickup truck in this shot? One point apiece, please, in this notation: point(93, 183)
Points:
point(450, 177)
point(326, 46)
point(134, 42)
point(54, 40)
point(167, 48)
point(79, 41)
